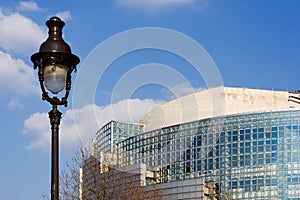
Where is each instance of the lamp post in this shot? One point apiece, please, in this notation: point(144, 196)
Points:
point(55, 64)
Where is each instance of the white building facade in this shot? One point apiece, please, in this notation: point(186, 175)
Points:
point(245, 142)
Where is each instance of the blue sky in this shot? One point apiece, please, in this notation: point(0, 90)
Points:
point(254, 44)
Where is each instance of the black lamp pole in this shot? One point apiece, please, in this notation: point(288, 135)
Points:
point(55, 117)
point(55, 63)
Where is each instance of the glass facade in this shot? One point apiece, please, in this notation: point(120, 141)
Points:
point(114, 132)
point(250, 156)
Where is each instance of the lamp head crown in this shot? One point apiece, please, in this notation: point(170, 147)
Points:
point(55, 42)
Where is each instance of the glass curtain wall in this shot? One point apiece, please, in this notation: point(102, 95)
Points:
point(250, 156)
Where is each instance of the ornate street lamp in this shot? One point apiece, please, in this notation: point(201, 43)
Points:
point(55, 64)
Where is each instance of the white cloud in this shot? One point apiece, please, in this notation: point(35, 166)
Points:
point(80, 125)
point(15, 103)
point(16, 77)
point(28, 6)
point(65, 16)
point(180, 90)
point(37, 125)
point(19, 34)
point(154, 4)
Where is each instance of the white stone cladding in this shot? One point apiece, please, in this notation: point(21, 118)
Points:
point(216, 102)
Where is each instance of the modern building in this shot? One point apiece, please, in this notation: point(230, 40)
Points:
point(220, 143)
point(113, 133)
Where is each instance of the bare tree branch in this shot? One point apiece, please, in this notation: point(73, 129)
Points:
point(90, 177)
